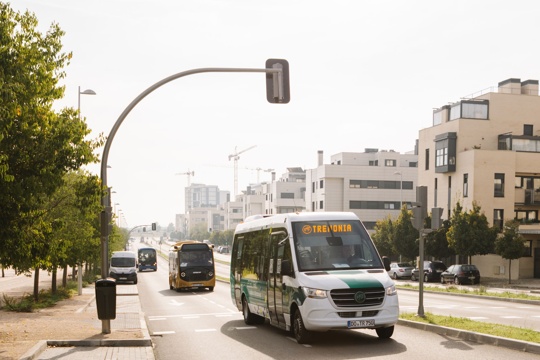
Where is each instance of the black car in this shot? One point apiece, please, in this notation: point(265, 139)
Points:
point(461, 274)
point(432, 271)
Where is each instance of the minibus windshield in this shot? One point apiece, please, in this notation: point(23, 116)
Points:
point(336, 244)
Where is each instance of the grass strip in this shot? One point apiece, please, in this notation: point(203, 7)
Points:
point(482, 290)
point(504, 331)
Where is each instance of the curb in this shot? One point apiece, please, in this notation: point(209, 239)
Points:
point(519, 345)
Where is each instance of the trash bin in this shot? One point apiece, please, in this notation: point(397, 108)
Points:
point(106, 298)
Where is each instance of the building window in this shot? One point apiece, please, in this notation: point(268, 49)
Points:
point(390, 162)
point(498, 216)
point(373, 162)
point(526, 216)
point(287, 195)
point(313, 206)
point(313, 187)
point(441, 157)
point(321, 205)
point(413, 164)
point(499, 185)
point(528, 249)
point(445, 152)
point(427, 159)
point(373, 205)
point(528, 130)
point(407, 185)
point(321, 184)
point(465, 185)
point(470, 110)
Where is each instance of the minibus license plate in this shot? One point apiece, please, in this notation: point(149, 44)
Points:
point(351, 324)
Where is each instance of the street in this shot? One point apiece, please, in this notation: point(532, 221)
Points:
point(201, 324)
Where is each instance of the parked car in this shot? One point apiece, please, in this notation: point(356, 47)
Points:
point(432, 271)
point(400, 270)
point(460, 274)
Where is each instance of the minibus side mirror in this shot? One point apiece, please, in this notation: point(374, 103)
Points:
point(386, 262)
point(286, 269)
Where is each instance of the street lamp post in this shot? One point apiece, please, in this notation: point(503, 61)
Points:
point(400, 188)
point(85, 92)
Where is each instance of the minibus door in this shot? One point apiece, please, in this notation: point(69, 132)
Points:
point(275, 289)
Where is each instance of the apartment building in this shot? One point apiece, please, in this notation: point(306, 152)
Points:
point(372, 184)
point(486, 149)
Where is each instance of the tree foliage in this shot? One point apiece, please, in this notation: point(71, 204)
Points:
point(405, 235)
point(511, 245)
point(436, 243)
point(469, 233)
point(383, 237)
point(38, 146)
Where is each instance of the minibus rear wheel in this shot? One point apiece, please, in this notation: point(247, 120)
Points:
point(249, 318)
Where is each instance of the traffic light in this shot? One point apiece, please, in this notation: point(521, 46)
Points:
point(436, 220)
point(418, 219)
point(277, 83)
point(154, 226)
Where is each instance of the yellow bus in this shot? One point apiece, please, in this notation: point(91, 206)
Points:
point(191, 266)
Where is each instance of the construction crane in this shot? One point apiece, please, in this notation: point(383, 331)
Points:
point(187, 202)
point(235, 157)
point(259, 171)
point(189, 175)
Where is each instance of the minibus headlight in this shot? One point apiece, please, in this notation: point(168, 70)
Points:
point(391, 290)
point(314, 293)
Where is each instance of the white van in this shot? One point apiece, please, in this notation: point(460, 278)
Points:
point(123, 266)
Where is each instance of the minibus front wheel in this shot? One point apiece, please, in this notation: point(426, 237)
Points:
point(301, 334)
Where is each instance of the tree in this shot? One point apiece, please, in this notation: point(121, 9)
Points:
point(38, 146)
point(511, 245)
point(383, 237)
point(405, 235)
point(436, 243)
point(469, 233)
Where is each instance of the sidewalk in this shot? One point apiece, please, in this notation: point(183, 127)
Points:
point(116, 345)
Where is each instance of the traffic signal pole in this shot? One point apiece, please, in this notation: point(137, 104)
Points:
point(278, 85)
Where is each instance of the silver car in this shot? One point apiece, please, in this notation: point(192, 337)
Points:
point(400, 270)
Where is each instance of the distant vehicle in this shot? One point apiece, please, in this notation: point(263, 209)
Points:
point(124, 266)
point(311, 272)
point(191, 266)
point(147, 259)
point(432, 271)
point(400, 270)
point(461, 274)
point(223, 249)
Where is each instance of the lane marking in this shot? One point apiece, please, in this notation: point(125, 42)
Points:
point(157, 319)
point(510, 317)
point(163, 332)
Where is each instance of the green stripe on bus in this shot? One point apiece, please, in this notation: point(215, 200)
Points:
point(360, 280)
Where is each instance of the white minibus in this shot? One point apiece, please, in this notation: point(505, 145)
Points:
point(311, 272)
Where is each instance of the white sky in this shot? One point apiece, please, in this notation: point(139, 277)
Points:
point(364, 74)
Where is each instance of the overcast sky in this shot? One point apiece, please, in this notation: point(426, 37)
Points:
point(363, 74)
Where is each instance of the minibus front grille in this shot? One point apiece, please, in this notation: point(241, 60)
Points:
point(360, 297)
point(358, 314)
